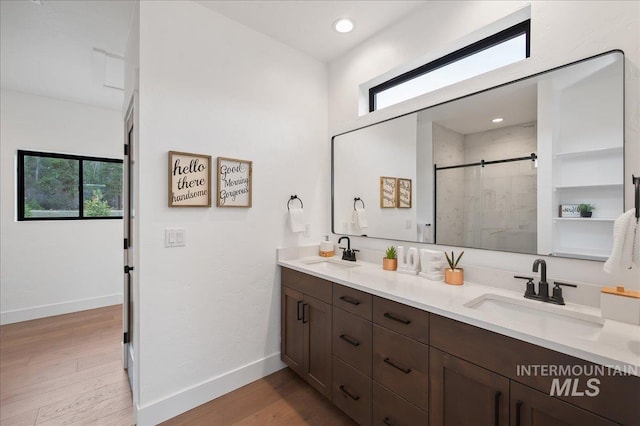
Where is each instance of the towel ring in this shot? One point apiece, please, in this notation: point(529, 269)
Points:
point(294, 197)
point(356, 200)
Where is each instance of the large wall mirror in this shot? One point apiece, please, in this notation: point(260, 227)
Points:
point(465, 178)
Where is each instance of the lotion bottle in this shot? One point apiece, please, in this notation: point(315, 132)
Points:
point(326, 247)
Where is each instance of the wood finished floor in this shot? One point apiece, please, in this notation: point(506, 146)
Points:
point(66, 370)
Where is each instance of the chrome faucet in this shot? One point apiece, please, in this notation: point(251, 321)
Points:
point(348, 253)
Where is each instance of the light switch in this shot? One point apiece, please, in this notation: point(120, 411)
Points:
point(174, 237)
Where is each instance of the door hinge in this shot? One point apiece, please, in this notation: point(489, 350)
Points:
point(127, 269)
point(125, 338)
point(126, 243)
point(126, 149)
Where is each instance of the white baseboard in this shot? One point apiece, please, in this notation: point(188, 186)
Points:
point(26, 314)
point(178, 403)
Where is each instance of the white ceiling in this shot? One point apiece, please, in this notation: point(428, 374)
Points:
point(307, 25)
point(50, 49)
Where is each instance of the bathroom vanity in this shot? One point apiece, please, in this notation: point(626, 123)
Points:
point(395, 349)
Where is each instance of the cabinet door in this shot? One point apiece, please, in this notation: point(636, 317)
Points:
point(316, 317)
point(465, 394)
point(292, 330)
point(530, 407)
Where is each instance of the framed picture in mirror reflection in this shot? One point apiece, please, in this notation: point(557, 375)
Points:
point(404, 193)
point(388, 192)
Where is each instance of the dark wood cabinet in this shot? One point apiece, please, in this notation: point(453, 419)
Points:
point(390, 409)
point(352, 340)
point(530, 407)
point(352, 392)
point(406, 320)
point(401, 365)
point(386, 363)
point(463, 394)
point(617, 394)
point(292, 330)
point(316, 318)
point(353, 301)
point(305, 343)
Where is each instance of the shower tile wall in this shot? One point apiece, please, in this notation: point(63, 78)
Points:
point(448, 150)
point(500, 200)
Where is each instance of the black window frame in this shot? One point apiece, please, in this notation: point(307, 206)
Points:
point(514, 31)
point(20, 193)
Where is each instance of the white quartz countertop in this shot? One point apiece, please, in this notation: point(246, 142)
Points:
point(614, 343)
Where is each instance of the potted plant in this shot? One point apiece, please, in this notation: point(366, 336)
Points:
point(585, 210)
point(453, 275)
point(390, 261)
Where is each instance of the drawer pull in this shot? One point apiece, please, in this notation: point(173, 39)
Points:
point(387, 421)
point(304, 313)
point(497, 408)
point(349, 394)
point(350, 300)
point(518, 411)
point(397, 318)
point(299, 314)
point(394, 365)
point(350, 340)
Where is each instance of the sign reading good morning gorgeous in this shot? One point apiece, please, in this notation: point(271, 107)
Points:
point(234, 182)
point(189, 180)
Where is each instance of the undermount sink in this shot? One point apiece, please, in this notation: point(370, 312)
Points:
point(541, 315)
point(330, 263)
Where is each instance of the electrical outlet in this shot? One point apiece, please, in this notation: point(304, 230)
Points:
point(307, 230)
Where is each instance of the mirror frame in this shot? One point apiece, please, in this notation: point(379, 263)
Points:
point(333, 141)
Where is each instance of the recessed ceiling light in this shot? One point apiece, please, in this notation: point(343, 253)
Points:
point(343, 25)
point(497, 120)
point(36, 2)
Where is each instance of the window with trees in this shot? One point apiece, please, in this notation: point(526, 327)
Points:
point(55, 186)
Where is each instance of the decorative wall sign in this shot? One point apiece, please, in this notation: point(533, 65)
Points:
point(404, 193)
point(189, 180)
point(388, 192)
point(234, 182)
point(569, 210)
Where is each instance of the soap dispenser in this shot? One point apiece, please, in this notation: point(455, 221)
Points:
point(326, 247)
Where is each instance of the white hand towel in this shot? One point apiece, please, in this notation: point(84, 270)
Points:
point(296, 219)
point(359, 218)
point(624, 240)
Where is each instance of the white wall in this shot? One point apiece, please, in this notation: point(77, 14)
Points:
point(210, 312)
point(361, 158)
point(561, 32)
point(55, 267)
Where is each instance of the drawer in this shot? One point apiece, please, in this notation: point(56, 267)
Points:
point(404, 319)
point(390, 409)
point(352, 300)
point(307, 284)
point(352, 340)
point(401, 365)
point(352, 392)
